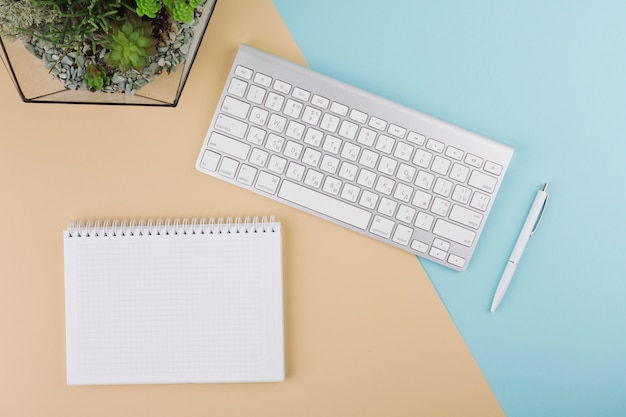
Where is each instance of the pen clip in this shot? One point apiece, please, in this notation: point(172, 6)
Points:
point(541, 212)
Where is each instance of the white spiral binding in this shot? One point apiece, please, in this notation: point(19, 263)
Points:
point(186, 226)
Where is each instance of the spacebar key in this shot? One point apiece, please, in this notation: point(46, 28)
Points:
point(321, 203)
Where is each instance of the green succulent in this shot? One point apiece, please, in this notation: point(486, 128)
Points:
point(148, 7)
point(96, 77)
point(182, 9)
point(130, 44)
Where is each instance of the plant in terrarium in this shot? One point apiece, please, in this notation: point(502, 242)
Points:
point(103, 45)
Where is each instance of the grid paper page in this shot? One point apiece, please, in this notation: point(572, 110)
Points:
point(174, 308)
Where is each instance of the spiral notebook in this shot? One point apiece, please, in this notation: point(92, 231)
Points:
point(159, 301)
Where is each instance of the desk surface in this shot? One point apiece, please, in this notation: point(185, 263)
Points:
point(368, 331)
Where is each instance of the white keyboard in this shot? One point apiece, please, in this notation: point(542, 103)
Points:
point(356, 159)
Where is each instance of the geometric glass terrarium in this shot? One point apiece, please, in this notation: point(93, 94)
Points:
point(134, 52)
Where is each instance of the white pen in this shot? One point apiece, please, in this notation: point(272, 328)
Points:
point(530, 226)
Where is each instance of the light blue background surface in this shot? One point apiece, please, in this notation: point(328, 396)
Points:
point(549, 79)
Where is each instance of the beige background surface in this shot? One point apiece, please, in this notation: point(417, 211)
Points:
point(366, 333)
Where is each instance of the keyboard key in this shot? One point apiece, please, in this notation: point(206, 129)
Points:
point(441, 244)
point(267, 182)
point(282, 86)
point(295, 130)
point(295, 171)
point(402, 235)
point(368, 158)
point(406, 173)
point(231, 126)
point(404, 151)
point(419, 246)
point(406, 214)
point(385, 144)
point(258, 157)
point(235, 107)
point(311, 115)
point(424, 180)
point(482, 181)
point(263, 79)
point(277, 123)
point(274, 142)
point(256, 94)
point(329, 164)
point(320, 101)
point(350, 192)
point(440, 207)
point(350, 151)
point(435, 145)
point(454, 233)
point(366, 178)
point(493, 168)
point(243, 72)
point(228, 167)
point(313, 137)
point(396, 131)
point(246, 174)
point(421, 199)
point(454, 153)
point(274, 101)
point(440, 165)
point(358, 116)
point(368, 199)
point(301, 94)
point(258, 116)
point(416, 138)
point(332, 144)
point(348, 130)
point(209, 160)
point(459, 172)
point(313, 178)
point(366, 137)
point(377, 123)
point(348, 171)
point(384, 185)
point(311, 157)
point(422, 158)
point(456, 260)
point(277, 164)
point(437, 253)
point(292, 108)
point(339, 109)
point(237, 87)
point(293, 150)
point(328, 206)
point(403, 193)
point(331, 185)
point(480, 201)
point(382, 227)
point(329, 122)
point(473, 160)
point(424, 221)
point(442, 187)
point(387, 207)
point(461, 194)
point(229, 146)
point(465, 216)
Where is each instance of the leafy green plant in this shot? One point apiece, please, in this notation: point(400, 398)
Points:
point(130, 44)
point(17, 16)
point(79, 20)
point(148, 8)
point(96, 77)
point(181, 10)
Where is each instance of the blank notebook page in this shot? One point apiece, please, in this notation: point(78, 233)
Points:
point(174, 308)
